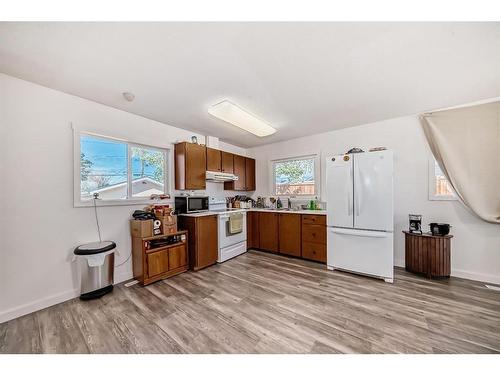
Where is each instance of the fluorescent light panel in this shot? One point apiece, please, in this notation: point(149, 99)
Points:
point(231, 113)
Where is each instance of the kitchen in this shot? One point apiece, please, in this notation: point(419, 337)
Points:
point(225, 212)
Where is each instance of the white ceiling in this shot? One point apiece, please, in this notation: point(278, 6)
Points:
point(302, 78)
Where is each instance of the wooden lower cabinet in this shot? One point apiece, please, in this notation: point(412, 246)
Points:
point(428, 254)
point(203, 240)
point(153, 264)
point(314, 251)
point(268, 231)
point(314, 233)
point(314, 237)
point(289, 234)
point(253, 241)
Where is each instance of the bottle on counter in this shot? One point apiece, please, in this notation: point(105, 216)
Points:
point(279, 204)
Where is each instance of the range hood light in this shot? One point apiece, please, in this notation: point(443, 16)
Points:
point(231, 113)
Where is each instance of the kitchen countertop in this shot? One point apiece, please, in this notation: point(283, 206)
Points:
point(300, 212)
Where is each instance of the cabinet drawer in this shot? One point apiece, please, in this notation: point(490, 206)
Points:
point(314, 233)
point(314, 219)
point(314, 251)
point(177, 257)
point(157, 262)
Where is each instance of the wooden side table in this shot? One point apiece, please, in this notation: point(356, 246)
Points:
point(428, 254)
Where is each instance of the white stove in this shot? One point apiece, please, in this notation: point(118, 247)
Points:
point(230, 244)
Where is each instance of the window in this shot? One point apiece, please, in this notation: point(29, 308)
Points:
point(295, 176)
point(117, 170)
point(439, 187)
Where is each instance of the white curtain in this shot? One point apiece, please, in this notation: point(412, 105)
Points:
point(466, 144)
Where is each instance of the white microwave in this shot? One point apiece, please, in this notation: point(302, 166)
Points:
point(189, 204)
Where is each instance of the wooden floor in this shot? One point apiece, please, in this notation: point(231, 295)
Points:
point(263, 303)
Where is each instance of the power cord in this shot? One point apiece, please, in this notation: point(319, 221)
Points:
point(96, 197)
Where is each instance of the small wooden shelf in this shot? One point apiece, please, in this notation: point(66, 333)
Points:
point(150, 265)
point(428, 254)
point(164, 235)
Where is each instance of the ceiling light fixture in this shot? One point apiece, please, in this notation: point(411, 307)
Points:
point(231, 113)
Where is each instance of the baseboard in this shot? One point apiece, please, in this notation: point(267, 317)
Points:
point(52, 300)
point(463, 274)
point(483, 277)
point(37, 305)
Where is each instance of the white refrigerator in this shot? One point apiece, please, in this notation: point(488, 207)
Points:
point(360, 213)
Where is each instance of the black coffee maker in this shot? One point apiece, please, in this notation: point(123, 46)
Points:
point(415, 223)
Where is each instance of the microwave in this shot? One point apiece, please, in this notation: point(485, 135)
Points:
point(189, 204)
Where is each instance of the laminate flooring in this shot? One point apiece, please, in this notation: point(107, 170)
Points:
point(265, 303)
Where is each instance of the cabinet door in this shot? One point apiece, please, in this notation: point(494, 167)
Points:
point(373, 191)
point(157, 263)
point(253, 230)
point(214, 160)
point(239, 170)
point(227, 162)
point(207, 243)
point(177, 257)
point(289, 234)
point(250, 174)
point(196, 162)
point(268, 231)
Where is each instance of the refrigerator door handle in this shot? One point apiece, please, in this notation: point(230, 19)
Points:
point(349, 203)
point(357, 192)
point(361, 233)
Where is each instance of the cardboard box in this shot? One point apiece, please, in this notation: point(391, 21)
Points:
point(169, 228)
point(141, 228)
point(168, 219)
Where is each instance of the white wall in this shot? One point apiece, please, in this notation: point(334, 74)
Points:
point(39, 227)
point(476, 245)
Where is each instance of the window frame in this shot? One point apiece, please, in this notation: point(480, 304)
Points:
point(432, 184)
point(130, 200)
point(317, 174)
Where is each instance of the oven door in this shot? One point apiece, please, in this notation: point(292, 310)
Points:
point(196, 204)
point(226, 238)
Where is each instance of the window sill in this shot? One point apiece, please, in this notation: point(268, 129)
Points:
point(443, 198)
point(125, 202)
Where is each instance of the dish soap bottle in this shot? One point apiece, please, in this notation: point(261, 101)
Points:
point(311, 204)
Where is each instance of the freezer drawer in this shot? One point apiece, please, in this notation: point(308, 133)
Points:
point(361, 251)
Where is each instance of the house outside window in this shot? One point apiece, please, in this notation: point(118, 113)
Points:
point(439, 187)
point(295, 176)
point(119, 171)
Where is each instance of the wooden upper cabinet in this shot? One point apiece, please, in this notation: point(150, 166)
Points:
point(268, 231)
point(250, 174)
point(289, 234)
point(190, 166)
point(227, 162)
point(214, 162)
point(240, 171)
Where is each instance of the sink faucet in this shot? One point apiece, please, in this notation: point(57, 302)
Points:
point(289, 204)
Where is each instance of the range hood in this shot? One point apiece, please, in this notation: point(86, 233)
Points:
point(220, 176)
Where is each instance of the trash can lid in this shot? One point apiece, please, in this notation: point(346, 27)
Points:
point(94, 248)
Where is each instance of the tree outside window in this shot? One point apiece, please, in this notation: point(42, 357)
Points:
point(294, 177)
